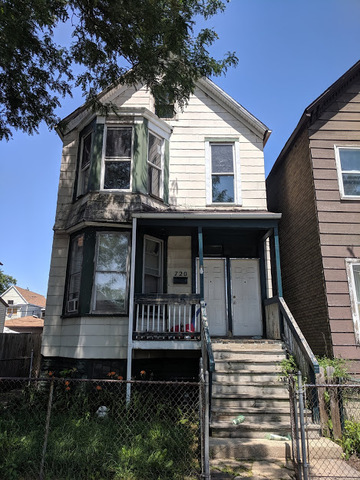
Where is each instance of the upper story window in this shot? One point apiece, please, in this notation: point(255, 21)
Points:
point(155, 165)
point(348, 165)
point(85, 159)
point(117, 158)
point(223, 176)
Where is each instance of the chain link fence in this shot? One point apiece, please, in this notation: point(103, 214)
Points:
point(325, 430)
point(100, 429)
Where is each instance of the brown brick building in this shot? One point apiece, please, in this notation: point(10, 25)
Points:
point(315, 184)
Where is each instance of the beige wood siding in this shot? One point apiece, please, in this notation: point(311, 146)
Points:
point(179, 264)
point(339, 219)
point(204, 118)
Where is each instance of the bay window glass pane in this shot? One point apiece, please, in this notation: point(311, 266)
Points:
point(112, 252)
point(110, 292)
point(117, 175)
point(222, 158)
point(86, 150)
point(351, 182)
point(111, 272)
point(223, 189)
point(350, 159)
point(154, 154)
point(118, 142)
point(154, 179)
point(74, 280)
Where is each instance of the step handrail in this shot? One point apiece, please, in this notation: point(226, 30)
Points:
point(206, 347)
point(295, 341)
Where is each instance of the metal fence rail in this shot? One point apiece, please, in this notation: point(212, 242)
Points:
point(56, 428)
point(326, 430)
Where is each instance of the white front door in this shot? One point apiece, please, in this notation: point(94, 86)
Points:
point(215, 295)
point(245, 297)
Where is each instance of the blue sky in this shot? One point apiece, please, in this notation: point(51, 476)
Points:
point(289, 52)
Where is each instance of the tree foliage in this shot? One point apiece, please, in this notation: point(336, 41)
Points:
point(5, 281)
point(113, 41)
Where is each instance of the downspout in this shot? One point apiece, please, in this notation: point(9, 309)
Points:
point(131, 309)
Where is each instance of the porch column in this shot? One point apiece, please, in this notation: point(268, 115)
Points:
point(131, 308)
point(201, 262)
point(277, 262)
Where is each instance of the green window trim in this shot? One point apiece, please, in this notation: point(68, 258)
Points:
point(87, 274)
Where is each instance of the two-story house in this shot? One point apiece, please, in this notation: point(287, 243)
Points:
point(315, 184)
point(158, 208)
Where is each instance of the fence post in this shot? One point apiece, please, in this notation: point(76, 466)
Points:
point(31, 362)
point(206, 428)
point(48, 416)
point(302, 428)
point(295, 422)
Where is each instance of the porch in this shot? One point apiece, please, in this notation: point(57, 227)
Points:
point(229, 262)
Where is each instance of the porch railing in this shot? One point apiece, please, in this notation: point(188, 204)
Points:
point(167, 317)
point(280, 324)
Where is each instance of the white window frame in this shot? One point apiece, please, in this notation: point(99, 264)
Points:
point(354, 301)
point(93, 295)
point(152, 165)
point(161, 266)
point(116, 159)
point(82, 189)
point(340, 171)
point(237, 174)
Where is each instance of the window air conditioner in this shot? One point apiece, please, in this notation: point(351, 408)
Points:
point(72, 305)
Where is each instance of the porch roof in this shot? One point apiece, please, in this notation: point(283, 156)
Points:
point(260, 219)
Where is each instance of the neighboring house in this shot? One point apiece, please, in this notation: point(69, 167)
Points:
point(23, 303)
point(315, 184)
point(157, 208)
point(29, 324)
point(3, 307)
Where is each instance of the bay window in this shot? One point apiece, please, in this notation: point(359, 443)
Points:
point(155, 165)
point(74, 275)
point(110, 289)
point(85, 160)
point(117, 158)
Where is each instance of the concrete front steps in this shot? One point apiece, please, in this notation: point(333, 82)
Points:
point(246, 382)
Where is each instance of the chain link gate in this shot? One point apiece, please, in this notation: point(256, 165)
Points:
point(325, 428)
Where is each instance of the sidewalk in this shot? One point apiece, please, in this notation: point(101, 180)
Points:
point(251, 470)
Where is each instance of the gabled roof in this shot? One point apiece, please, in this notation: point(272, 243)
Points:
point(28, 296)
point(313, 111)
point(205, 84)
point(3, 302)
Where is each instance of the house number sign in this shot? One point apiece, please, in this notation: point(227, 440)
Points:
point(180, 277)
point(181, 273)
